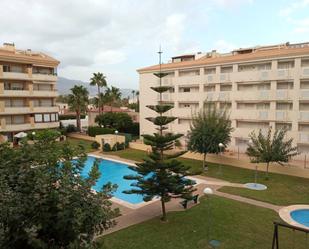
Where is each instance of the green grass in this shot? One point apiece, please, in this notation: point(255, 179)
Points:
point(282, 189)
point(86, 144)
point(236, 225)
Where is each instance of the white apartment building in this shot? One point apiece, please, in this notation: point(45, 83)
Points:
point(261, 86)
point(27, 91)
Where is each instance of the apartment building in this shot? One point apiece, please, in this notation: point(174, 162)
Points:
point(260, 86)
point(27, 91)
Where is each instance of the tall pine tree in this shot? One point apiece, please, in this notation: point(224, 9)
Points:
point(160, 174)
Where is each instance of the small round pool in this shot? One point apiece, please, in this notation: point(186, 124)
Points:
point(301, 216)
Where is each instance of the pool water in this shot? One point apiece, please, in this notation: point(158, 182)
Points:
point(301, 216)
point(113, 172)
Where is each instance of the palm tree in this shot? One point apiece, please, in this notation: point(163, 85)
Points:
point(133, 93)
point(137, 96)
point(115, 95)
point(78, 101)
point(99, 80)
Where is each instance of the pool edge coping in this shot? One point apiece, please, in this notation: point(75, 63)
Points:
point(285, 214)
point(144, 203)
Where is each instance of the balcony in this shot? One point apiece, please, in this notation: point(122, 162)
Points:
point(46, 125)
point(252, 95)
point(284, 94)
point(188, 96)
point(243, 114)
point(44, 77)
point(225, 77)
point(15, 76)
point(303, 137)
point(16, 127)
point(224, 96)
point(304, 94)
point(15, 93)
point(285, 74)
point(304, 116)
point(16, 110)
point(51, 93)
point(44, 109)
point(253, 75)
point(284, 115)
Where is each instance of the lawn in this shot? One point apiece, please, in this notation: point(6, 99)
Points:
point(86, 144)
point(236, 225)
point(282, 189)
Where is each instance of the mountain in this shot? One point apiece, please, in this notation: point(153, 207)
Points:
point(64, 85)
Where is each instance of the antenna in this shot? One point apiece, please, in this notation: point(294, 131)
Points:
point(160, 62)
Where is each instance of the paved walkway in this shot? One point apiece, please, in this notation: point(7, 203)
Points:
point(134, 216)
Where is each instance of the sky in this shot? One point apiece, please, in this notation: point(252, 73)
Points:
point(117, 37)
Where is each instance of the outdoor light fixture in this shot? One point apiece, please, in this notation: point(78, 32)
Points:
point(208, 191)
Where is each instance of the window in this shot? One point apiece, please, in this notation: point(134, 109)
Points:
point(19, 119)
point(285, 64)
point(284, 85)
point(38, 118)
point(186, 89)
point(286, 126)
point(227, 69)
point(304, 85)
point(6, 68)
point(225, 87)
point(47, 117)
point(284, 106)
point(210, 70)
point(53, 117)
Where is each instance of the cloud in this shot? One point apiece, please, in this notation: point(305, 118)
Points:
point(224, 46)
point(293, 7)
point(105, 35)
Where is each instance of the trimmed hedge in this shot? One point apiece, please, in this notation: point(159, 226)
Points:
point(95, 145)
point(96, 130)
point(107, 147)
point(66, 117)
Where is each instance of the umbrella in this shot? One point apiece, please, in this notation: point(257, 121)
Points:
point(20, 135)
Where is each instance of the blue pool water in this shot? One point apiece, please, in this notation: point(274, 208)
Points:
point(113, 172)
point(301, 216)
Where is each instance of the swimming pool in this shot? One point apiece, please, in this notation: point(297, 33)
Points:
point(301, 216)
point(113, 171)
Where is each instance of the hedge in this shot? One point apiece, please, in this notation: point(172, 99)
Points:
point(96, 130)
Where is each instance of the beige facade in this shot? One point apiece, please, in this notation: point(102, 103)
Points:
point(260, 86)
point(27, 91)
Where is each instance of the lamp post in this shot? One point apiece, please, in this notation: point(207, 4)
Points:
point(33, 134)
point(116, 133)
point(221, 146)
point(213, 243)
point(255, 173)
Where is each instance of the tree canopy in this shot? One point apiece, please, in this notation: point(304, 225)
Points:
point(78, 101)
point(45, 202)
point(209, 127)
point(121, 121)
point(270, 148)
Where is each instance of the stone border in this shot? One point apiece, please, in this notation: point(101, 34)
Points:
point(285, 214)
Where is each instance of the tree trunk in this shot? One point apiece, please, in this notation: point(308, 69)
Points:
point(205, 167)
point(267, 167)
point(163, 218)
point(78, 121)
point(99, 100)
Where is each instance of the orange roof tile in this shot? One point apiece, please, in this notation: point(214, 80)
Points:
point(256, 55)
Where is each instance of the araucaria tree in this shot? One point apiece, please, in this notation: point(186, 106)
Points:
point(160, 174)
point(78, 101)
point(271, 149)
point(209, 128)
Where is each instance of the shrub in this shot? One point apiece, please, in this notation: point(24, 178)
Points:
point(107, 147)
point(118, 120)
point(67, 117)
point(95, 145)
point(118, 146)
point(95, 130)
point(70, 128)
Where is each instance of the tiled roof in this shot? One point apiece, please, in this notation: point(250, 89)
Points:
point(256, 55)
point(108, 109)
point(27, 58)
